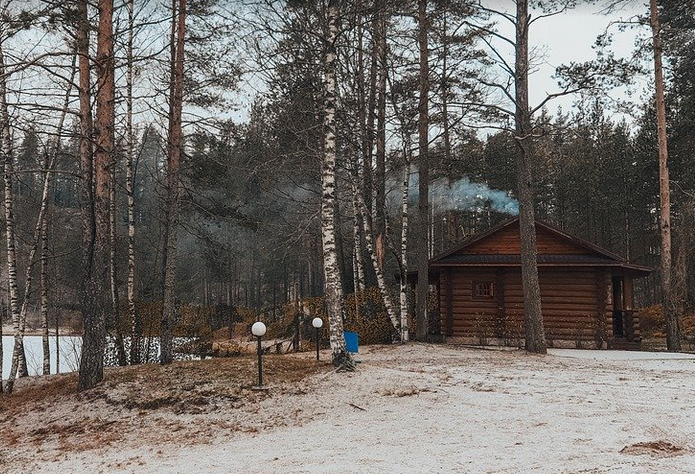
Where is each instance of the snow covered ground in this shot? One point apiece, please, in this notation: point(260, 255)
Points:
point(432, 408)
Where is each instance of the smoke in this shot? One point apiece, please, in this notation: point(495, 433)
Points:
point(463, 194)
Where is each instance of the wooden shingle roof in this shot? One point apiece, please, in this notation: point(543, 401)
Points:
point(500, 246)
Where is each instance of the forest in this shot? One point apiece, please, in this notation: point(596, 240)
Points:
point(169, 165)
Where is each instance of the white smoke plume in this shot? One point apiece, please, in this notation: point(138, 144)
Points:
point(463, 194)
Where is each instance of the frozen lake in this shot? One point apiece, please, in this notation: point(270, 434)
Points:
point(69, 354)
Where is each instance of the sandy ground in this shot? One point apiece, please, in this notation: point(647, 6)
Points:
point(428, 409)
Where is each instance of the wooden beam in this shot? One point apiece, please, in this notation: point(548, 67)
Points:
point(449, 303)
point(627, 293)
point(501, 319)
point(601, 304)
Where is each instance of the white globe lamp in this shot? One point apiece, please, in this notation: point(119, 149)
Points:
point(317, 323)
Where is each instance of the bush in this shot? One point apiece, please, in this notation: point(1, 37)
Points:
point(652, 322)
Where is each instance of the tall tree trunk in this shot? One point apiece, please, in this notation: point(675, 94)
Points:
point(57, 339)
point(673, 335)
point(133, 320)
point(175, 148)
point(371, 249)
point(405, 332)
point(533, 318)
point(357, 236)
point(380, 171)
point(41, 231)
point(2, 349)
point(446, 127)
point(363, 149)
point(8, 165)
point(369, 133)
point(86, 157)
point(44, 299)
point(113, 273)
point(94, 338)
point(423, 164)
point(334, 296)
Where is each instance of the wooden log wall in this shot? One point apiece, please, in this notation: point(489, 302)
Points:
point(570, 299)
point(507, 242)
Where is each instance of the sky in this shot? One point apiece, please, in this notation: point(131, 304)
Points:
point(570, 37)
point(561, 39)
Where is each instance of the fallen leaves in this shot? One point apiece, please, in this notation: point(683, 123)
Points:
point(659, 448)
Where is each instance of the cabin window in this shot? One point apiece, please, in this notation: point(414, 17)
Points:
point(483, 289)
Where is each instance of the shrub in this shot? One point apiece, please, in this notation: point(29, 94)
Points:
point(652, 322)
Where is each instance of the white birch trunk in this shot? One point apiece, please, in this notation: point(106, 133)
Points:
point(381, 281)
point(405, 333)
point(38, 233)
point(334, 292)
point(57, 336)
point(2, 354)
point(6, 149)
point(44, 299)
point(357, 234)
point(130, 191)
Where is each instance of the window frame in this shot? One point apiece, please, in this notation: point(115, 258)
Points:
point(475, 286)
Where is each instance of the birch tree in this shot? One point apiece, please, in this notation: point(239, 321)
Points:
point(376, 264)
point(404, 288)
point(133, 321)
point(379, 181)
point(114, 319)
point(44, 300)
point(8, 171)
point(334, 294)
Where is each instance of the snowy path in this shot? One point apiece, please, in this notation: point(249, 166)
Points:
point(429, 409)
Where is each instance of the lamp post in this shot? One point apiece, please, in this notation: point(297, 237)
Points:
point(317, 323)
point(258, 329)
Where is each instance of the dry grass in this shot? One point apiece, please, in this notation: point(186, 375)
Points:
point(654, 448)
point(36, 391)
point(49, 412)
point(653, 329)
point(153, 386)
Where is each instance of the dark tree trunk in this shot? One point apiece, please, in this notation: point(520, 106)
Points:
point(175, 148)
point(673, 335)
point(380, 171)
point(94, 338)
point(533, 318)
point(423, 164)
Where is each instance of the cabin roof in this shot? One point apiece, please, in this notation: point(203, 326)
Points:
point(573, 251)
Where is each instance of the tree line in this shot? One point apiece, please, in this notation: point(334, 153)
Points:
point(258, 153)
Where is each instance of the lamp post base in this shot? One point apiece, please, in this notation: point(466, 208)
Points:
point(257, 388)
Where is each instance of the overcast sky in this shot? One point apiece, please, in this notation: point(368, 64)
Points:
point(570, 37)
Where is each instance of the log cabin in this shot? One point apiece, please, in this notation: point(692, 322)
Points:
point(586, 291)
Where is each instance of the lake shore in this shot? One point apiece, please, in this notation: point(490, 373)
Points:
point(8, 330)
